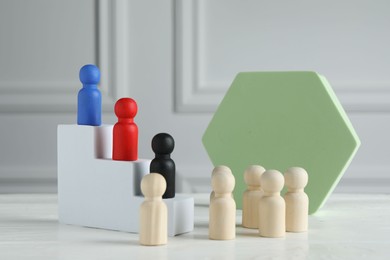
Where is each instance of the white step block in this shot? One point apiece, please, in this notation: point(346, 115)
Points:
point(95, 191)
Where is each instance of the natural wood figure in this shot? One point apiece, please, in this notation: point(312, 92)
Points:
point(251, 197)
point(221, 169)
point(272, 208)
point(297, 201)
point(153, 212)
point(222, 211)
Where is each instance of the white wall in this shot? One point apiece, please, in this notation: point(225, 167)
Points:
point(177, 58)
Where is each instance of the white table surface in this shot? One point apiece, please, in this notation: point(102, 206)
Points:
point(348, 227)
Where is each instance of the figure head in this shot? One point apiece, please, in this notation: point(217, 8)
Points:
point(296, 178)
point(221, 169)
point(272, 181)
point(153, 185)
point(89, 74)
point(126, 108)
point(252, 175)
point(163, 143)
point(223, 181)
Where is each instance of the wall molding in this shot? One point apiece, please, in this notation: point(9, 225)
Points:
point(195, 95)
point(31, 179)
point(59, 96)
point(113, 47)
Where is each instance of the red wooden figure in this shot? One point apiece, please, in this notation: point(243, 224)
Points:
point(125, 134)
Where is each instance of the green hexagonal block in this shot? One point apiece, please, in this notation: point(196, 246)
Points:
point(279, 120)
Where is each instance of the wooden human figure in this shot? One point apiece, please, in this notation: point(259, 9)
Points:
point(272, 208)
point(89, 99)
point(153, 211)
point(125, 133)
point(221, 169)
point(163, 145)
point(251, 197)
point(297, 201)
point(222, 211)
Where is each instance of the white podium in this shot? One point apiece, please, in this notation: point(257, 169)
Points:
point(95, 191)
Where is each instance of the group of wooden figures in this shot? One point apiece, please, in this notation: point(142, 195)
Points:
point(263, 208)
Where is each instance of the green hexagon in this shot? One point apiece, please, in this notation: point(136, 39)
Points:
point(279, 120)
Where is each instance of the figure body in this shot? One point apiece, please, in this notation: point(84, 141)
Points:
point(153, 211)
point(125, 132)
point(251, 197)
point(272, 208)
point(89, 99)
point(222, 211)
point(297, 201)
point(163, 145)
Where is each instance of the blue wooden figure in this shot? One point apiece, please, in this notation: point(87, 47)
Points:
point(89, 104)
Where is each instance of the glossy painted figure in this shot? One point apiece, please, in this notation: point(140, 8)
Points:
point(89, 101)
point(163, 145)
point(125, 133)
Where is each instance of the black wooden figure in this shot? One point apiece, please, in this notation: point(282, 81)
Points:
point(162, 146)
